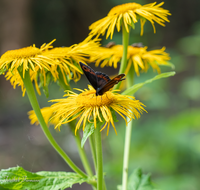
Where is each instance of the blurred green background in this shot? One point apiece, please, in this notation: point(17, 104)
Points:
point(165, 142)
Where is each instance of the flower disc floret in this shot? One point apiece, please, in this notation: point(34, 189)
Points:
point(88, 99)
point(22, 53)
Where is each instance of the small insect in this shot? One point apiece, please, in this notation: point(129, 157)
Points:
point(100, 81)
point(138, 45)
point(110, 44)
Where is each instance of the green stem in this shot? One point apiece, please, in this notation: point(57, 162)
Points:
point(92, 146)
point(34, 103)
point(130, 77)
point(126, 155)
point(130, 81)
point(100, 180)
point(77, 137)
point(125, 42)
point(83, 156)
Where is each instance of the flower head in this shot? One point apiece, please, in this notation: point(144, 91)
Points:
point(87, 107)
point(69, 57)
point(128, 14)
point(40, 62)
point(139, 57)
point(29, 58)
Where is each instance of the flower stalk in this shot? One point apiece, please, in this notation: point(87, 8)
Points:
point(100, 180)
point(125, 42)
point(77, 137)
point(92, 146)
point(127, 144)
point(83, 155)
point(34, 103)
point(129, 80)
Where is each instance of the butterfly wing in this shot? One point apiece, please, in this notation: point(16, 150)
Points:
point(102, 79)
point(110, 84)
point(90, 74)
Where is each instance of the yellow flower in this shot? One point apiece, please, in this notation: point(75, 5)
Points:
point(128, 14)
point(69, 57)
point(138, 56)
point(41, 61)
point(87, 107)
point(27, 59)
point(47, 114)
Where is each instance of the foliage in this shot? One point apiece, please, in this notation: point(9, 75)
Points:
point(18, 178)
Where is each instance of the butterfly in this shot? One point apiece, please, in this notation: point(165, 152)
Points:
point(100, 81)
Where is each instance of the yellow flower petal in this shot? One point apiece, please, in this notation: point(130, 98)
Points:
point(127, 13)
point(139, 57)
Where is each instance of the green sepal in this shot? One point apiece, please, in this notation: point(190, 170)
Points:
point(18, 178)
point(61, 81)
point(136, 87)
point(114, 115)
point(139, 181)
point(45, 85)
point(77, 65)
point(2, 71)
point(132, 25)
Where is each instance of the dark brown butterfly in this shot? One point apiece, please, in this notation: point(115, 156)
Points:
point(100, 81)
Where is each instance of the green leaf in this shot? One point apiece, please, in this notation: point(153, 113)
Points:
point(139, 181)
point(58, 180)
point(18, 178)
point(136, 87)
point(89, 130)
point(2, 188)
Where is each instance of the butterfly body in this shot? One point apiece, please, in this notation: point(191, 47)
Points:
point(100, 81)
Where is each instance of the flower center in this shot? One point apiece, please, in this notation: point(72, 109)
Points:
point(119, 9)
point(21, 53)
point(89, 99)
